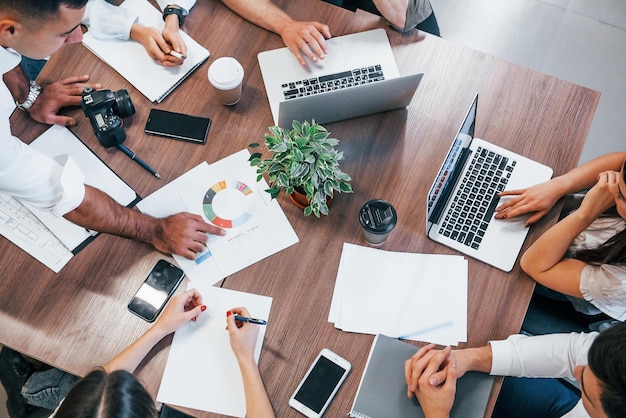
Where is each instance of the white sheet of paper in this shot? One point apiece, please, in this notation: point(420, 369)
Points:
point(133, 63)
point(202, 371)
point(226, 194)
point(58, 142)
point(396, 293)
point(20, 226)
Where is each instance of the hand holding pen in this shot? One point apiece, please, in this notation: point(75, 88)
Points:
point(243, 334)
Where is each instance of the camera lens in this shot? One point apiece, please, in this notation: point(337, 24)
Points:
point(123, 103)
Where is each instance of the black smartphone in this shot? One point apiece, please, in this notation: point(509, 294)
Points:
point(178, 126)
point(156, 290)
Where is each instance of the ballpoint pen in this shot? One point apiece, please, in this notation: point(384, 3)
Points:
point(426, 329)
point(250, 320)
point(139, 161)
point(177, 55)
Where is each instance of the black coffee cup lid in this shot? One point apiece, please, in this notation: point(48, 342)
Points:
point(378, 216)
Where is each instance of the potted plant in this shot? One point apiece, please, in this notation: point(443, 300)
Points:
point(302, 159)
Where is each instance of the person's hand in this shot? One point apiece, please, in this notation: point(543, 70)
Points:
point(181, 309)
point(155, 45)
point(436, 400)
point(171, 34)
point(601, 196)
point(414, 366)
point(54, 96)
point(243, 335)
point(538, 199)
point(308, 38)
point(184, 234)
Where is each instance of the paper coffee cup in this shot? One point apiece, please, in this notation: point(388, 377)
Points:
point(226, 75)
point(378, 218)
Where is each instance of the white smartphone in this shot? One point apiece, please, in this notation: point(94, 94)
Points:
point(320, 383)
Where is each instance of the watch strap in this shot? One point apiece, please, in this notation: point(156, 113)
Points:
point(33, 92)
point(178, 11)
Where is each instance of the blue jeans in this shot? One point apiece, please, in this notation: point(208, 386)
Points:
point(533, 397)
point(47, 389)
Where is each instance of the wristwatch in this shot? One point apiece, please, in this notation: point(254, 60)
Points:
point(33, 92)
point(178, 11)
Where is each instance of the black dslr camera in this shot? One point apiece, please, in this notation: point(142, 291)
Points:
point(105, 109)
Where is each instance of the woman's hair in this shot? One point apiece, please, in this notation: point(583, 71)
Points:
point(112, 395)
point(613, 251)
point(607, 361)
point(38, 9)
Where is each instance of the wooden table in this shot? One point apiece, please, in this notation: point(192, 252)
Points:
point(77, 319)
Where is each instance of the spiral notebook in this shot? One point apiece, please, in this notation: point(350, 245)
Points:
point(382, 392)
point(132, 62)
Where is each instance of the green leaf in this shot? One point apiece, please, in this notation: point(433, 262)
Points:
point(274, 191)
point(346, 188)
point(254, 145)
point(307, 211)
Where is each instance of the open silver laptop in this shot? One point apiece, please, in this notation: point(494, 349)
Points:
point(357, 77)
point(463, 197)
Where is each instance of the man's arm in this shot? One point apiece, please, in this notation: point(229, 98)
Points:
point(184, 234)
point(308, 38)
point(53, 96)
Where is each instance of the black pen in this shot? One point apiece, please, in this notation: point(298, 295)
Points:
point(139, 161)
point(250, 320)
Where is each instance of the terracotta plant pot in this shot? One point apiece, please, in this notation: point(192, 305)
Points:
point(299, 199)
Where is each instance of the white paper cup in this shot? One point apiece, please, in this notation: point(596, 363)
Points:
point(226, 75)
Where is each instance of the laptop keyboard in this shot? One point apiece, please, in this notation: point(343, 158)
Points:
point(325, 83)
point(473, 205)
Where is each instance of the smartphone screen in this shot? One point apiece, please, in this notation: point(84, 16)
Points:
point(156, 290)
point(320, 384)
point(178, 126)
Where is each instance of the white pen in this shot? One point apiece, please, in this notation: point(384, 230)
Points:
point(177, 55)
point(426, 329)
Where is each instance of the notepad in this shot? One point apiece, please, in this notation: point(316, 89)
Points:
point(132, 62)
point(382, 392)
point(59, 142)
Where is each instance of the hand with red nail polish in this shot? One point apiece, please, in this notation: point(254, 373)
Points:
point(181, 308)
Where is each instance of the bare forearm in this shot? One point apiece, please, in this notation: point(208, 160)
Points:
point(257, 402)
point(586, 175)
point(476, 359)
point(262, 13)
point(101, 213)
point(130, 358)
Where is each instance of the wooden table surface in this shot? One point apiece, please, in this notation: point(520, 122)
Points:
point(77, 319)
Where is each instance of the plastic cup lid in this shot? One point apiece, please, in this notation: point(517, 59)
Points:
point(225, 73)
point(378, 216)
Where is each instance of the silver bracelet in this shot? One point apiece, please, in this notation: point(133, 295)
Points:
point(33, 92)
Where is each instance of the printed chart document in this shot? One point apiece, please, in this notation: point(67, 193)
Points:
point(202, 371)
point(225, 194)
point(382, 392)
point(59, 142)
point(131, 60)
point(425, 294)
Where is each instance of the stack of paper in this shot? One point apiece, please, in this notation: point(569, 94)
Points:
point(227, 194)
point(202, 371)
point(421, 297)
point(131, 60)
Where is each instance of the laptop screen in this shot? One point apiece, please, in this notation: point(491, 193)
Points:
point(452, 165)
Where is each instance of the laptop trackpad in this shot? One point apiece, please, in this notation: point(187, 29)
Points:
point(334, 61)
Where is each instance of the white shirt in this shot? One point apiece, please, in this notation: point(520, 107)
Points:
point(27, 174)
point(553, 356)
point(106, 21)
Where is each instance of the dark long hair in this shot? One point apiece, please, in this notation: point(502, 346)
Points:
point(607, 361)
point(613, 251)
point(100, 394)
